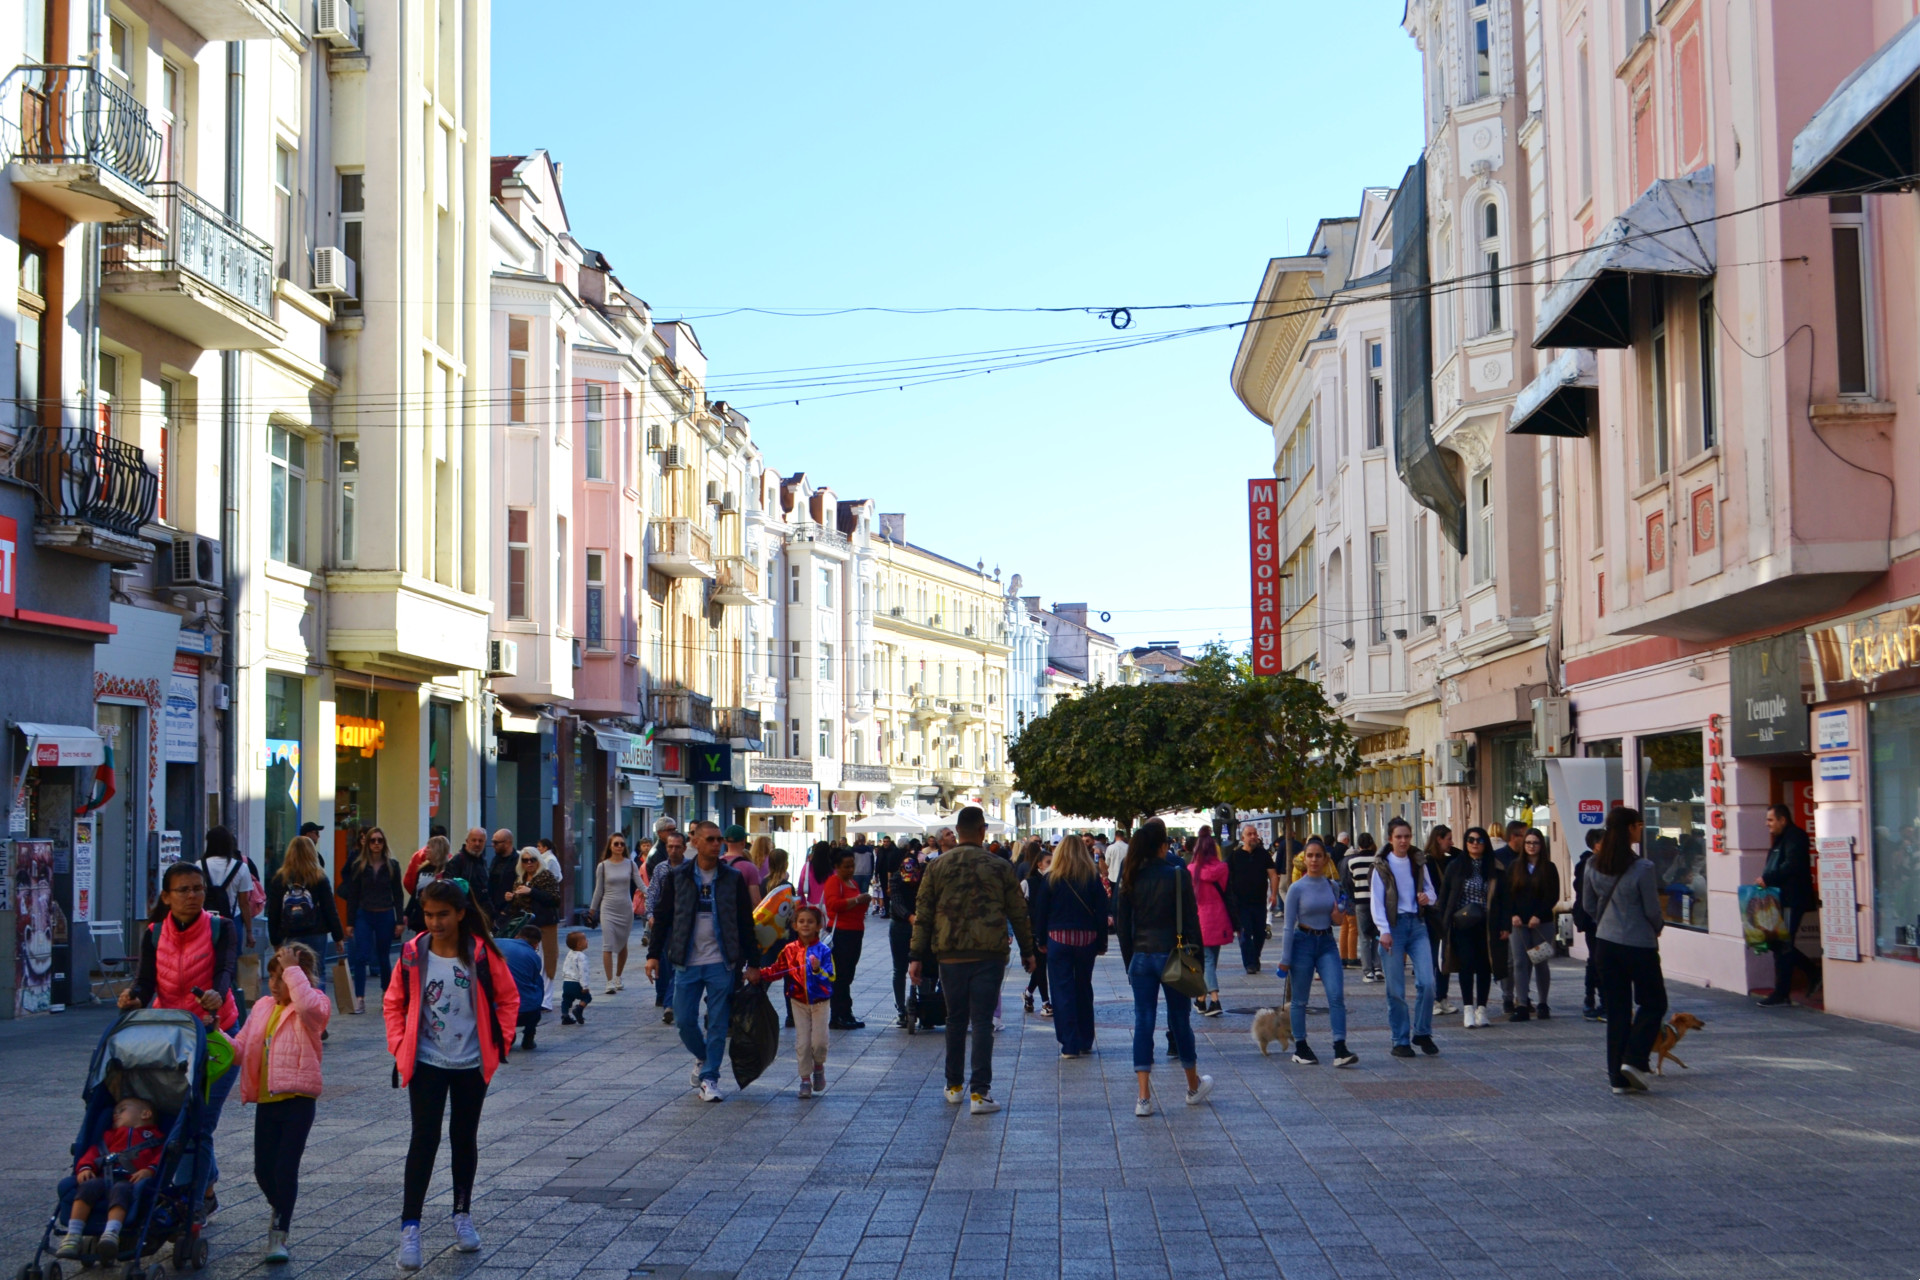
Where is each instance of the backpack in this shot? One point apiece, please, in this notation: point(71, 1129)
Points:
point(299, 914)
point(220, 896)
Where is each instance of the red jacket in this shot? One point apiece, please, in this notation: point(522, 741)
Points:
point(148, 1139)
point(496, 1007)
point(842, 911)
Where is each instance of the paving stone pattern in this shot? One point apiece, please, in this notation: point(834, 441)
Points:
point(1792, 1147)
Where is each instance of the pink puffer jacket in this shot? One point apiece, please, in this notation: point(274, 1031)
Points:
point(293, 1065)
point(1210, 895)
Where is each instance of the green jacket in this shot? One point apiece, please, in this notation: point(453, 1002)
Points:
point(968, 897)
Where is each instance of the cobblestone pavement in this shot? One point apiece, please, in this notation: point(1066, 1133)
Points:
point(1792, 1147)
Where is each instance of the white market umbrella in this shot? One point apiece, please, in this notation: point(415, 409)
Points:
point(883, 821)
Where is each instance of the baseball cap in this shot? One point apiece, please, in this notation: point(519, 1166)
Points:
point(735, 833)
point(311, 828)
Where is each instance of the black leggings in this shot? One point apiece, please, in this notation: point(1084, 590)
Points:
point(428, 1092)
point(279, 1140)
point(1037, 981)
point(1475, 966)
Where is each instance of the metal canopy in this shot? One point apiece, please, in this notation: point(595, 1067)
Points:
point(1562, 400)
point(1864, 138)
point(1668, 231)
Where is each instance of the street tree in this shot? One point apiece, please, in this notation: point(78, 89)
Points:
point(1117, 752)
point(1272, 742)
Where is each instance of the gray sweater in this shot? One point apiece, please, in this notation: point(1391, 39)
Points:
point(1310, 902)
point(1633, 917)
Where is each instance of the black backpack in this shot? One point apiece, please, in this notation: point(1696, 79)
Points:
point(299, 913)
point(220, 896)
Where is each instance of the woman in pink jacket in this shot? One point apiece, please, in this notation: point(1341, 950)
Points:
point(451, 1012)
point(1216, 917)
point(279, 1066)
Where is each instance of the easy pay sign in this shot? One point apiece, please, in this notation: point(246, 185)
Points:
point(1263, 531)
point(1579, 790)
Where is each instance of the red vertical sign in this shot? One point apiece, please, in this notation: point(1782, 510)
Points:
point(9, 565)
point(1263, 534)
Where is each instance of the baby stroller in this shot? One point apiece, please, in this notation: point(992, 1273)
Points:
point(926, 1006)
point(160, 1057)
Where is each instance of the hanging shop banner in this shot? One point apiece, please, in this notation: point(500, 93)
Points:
point(182, 723)
point(807, 797)
point(1769, 715)
point(1263, 537)
point(1839, 916)
point(9, 563)
point(32, 877)
point(1581, 790)
point(709, 764)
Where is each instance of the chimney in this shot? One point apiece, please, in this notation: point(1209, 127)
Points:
point(559, 174)
point(1074, 613)
point(1031, 602)
point(893, 525)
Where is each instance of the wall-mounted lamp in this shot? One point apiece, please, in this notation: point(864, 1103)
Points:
point(1399, 633)
point(1347, 644)
point(1428, 620)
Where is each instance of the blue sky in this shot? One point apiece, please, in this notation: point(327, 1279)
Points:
point(782, 155)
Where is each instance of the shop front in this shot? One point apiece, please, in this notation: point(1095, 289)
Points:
point(359, 745)
point(1866, 788)
point(48, 880)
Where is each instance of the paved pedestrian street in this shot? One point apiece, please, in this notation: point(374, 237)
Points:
point(1791, 1147)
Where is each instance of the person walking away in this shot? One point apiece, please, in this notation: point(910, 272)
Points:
point(231, 887)
point(1357, 882)
point(1439, 854)
point(1153, 913)
point(537, 895)
point(450, 1019)
point(774, 912)
point(968, 902)
point(846, 906)
point(279, 1067)
point(815, 871)
point(1402, 890)
point(1252, 883)
point(1622, 894)
point(1210, 891)
point(1116, 854)
point(807, 964)
point(1032, 865)
point(1590, 997)
point(705, 927)
point(902, 893)
point(1533, 892)
point(736, 856)
point(1472, 909)
point(522, 954)
point(760, 853)
point(1070, 909)
point(503, 872)
point(1309, 945)
point(862, 863)
point(300, 905)
point(1789, 869)
point(674, 853)
point(371, 889)
point(615, 879)
point(188, 957)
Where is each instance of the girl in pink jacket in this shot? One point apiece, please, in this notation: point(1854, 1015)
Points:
point(279, 1066)
point(1216, 917)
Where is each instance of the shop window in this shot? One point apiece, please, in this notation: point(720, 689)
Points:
point(285, 707)
point(441, 809)
point(1673, 800)
point(1894, 727)
point(286, 494)
point(1519, 780)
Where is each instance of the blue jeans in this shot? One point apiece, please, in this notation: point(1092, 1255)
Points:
point(690, 982)
point(318, 942)
point(1143, 975)
point(663, 985)
point(1318, 953)
point(370, 949)
point(1070, 980)
point(1410, 940)
point(1210, 965)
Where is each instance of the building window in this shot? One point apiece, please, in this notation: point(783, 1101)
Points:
point(826, 661)
point(1639, 20)
point(561, 548)
point(793, 583)
point(283, 171)
point(347, 464)
point(1491, 318)
point(1422, 602)
point(166, 118)
point(169, 442)
point(793, 739)
point(1850, 301)
point(1894, 726)
point(518, 553)
point(657, 632)
point(1585, 83)
point(286, 494)
point(1656, 424)
point(1444, 306)
point(596, 599)
point(120, 50)
point(826, 587)
point(826, 739)
point(1376, 395)
point(1480, 529)
point(1480, 32)
point(1377, 583)
point(107, 390)
point(1673, 801)
point(1707, 322)
point(596, 429)
point(30, 338)
point(353, 213)
point(793, 665)
point(519, 360)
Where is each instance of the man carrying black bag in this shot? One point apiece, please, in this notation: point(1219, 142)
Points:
point(703, 926)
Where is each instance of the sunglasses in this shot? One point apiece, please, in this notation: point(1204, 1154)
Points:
point(1476, 840)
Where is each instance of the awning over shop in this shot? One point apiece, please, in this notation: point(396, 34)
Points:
point(643, 790)
point(1867, 136)
point(1668, 231)
point(885, 821)
point(612, 741)
point(1562, 400)
point(510, 723)
point(58, 745)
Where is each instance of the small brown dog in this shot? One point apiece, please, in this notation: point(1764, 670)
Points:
point(1671, 1033)
point(1272, 1026)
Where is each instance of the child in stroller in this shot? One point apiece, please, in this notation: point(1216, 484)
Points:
point(111, 1170)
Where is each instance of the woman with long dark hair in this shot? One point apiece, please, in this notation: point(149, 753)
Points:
point(1032, 864)
point(450, 1019)
point(1473, 908)
point(1439, 854)
point(1155, 912)
point(1622, 895)
point(370, 887)
point(1533, 891)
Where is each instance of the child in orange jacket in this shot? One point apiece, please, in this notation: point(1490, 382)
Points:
point(807, 965)
point(110, 1170)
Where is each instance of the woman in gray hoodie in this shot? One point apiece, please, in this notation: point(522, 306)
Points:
point(1621, 893)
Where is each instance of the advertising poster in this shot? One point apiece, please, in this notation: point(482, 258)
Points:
point(83, 862)
point(32, 879)
point(181, 726)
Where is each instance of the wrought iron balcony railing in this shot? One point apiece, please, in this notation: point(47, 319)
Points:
point(194, 236)
point(83, 475)
point(683, 709)
point(76, 115)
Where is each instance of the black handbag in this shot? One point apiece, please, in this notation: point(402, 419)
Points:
point(1185, 969)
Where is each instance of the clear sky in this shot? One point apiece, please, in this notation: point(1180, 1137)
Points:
point(773, 154)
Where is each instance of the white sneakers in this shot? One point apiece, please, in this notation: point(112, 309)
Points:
point(709, 1091)
point(465, 1238)
point(956, 1095)
point(277, 1251)
point(1200, 1092)
point(1143, 1108)
point(409, 1259)
point(982, 1104)
point(1466, 1016)
point(1479, 1015)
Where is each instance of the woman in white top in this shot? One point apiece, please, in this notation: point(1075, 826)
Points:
point(614, 882)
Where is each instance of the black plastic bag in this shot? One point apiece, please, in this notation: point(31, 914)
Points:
point(753, 1034)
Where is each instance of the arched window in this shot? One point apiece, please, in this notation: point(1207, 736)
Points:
point(1492, 318)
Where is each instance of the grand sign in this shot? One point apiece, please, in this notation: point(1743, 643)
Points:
point(1263, 532)
point(1769, 717)
point(1867, 655)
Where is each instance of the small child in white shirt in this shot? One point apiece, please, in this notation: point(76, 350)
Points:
point(574, 996)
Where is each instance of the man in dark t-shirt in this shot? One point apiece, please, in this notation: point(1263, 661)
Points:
point(1251, 883)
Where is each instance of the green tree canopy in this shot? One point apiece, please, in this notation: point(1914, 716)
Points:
point(1274, 743)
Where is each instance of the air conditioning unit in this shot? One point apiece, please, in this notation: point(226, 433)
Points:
point(503, 657)
point(676, 457)
point(1456, 762)
point(729, 501)
point(1552, 728)
point(333, 273)
point(656, 439)
point(898, 611)
point(195, 564)
point(713, 493)
point(969, 630)
point(337, 24)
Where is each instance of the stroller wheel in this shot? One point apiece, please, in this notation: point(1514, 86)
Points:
point(199, 1253)
point(28, 1272)
point(52, 1272)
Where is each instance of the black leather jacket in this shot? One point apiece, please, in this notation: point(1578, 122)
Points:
point(1143, 916)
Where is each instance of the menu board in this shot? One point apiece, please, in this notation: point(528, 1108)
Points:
point(1839, 914)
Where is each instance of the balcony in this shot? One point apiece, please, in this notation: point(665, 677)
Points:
point(92, 493)
point(233, 19)
point(764, 770)
point(738, 581)
point(741, 724)
point(683, 714)
point(866, 773)
point(924, 710)
point(1000, 780)
point(194, 272)
point(966, 713)
point(78, 142)
point(392, 623)
point(681, 549)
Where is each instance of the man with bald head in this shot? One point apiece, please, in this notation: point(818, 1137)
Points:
point(469, 863)
point(502, 872)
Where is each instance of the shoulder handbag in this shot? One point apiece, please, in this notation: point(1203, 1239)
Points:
point(1100, 931)
point(1185, 971)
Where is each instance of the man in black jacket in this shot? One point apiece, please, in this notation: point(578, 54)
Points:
point(502, 873)
point(469, 863)
point(1252, 883)
point(703, 926)
point(1790, 870)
